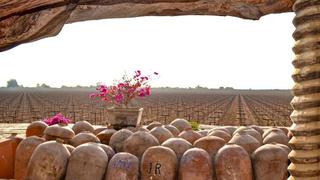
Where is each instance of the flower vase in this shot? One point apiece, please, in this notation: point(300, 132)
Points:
point(122, 117)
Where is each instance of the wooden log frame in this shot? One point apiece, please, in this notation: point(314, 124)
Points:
point(24, 21)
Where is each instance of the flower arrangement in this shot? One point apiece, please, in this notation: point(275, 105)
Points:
point(122, 92)
point(57, 119)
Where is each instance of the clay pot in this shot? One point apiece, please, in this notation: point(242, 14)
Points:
point(178, 145)
point(159, 163)
point(60, 131)
point(69, 147)
point(249, 143)
point(258, 129)
point(82, 138)
point(221, 129)
point(195, 164)
point(107, 149)
point(251, 132)
point(153, 125)
point(161, 133)
point(123, 166)
point(48, 161)
point(138, 142)
point(180, 124)
point(270, 162)
point(8, 149)
point(105, 135)
point(211, 144)
point(118, 138)
point(99, 129)
point(23, 155)
point(268, 131)
point(232, 162)
point(203, 133)
point(275, 136)
point(135, 129)
point(36, 128)
point(174, 131)
point(190, 135)
point(87, 161)
point(285, 130)
point(221, 134)
point(82, 126)
point(231, 129)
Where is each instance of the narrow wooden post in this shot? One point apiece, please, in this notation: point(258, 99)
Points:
point(305, 156)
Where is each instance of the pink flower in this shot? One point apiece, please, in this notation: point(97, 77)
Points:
point(141, 93)
point(118, 98)
point(57, 119)
point(155, 73)
point(92, 95)
point(120, 85)
point(147, 90)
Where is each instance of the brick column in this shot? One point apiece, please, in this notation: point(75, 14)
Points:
point(305, 156)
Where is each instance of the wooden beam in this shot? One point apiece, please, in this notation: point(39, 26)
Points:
point(24, 21)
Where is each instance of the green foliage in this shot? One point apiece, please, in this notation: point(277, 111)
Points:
point(194, 125)
point(12, 83)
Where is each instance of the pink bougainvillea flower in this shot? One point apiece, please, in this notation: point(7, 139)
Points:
point(92, 95)
point(147, 90)
point(155, 73)
point(120, 85)
point(118, 98)
point(57, 119)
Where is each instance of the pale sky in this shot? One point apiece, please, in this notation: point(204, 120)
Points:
point(187, 51)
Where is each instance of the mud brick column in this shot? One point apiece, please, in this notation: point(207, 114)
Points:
point(305, 156)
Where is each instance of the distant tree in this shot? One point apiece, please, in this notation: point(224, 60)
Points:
point(221, 87)
point(12, 83)
point(44, 86)
point(38, 85)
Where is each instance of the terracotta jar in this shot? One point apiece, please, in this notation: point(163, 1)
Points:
point(87, 161)
point(270, 161)
point(258, 129)
point(220, 129)
point(23, 155)
point(107, 149)
point(118, 138)
point(123, 166)
point(161, 133)
point(105, 135)
point(249, 143)
point(8, 148)
point(195, 164)
point(203, 133)
point(190, 135)
point(138, 142)
point(82, 126)
point(211, 144)
point(60, 131)
point(99, 129)
point(180, 124)
point(178, 145)
point(159, 163)
point(221, 134)
point(277, 137)
point(36, 128)
point(48, 161)
point(174, 131)
point(251, 132)
point(153, 125)
point(232, 162)
point(273, 129)
point(82, 138)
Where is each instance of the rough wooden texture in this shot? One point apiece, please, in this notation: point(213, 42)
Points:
point(24, 21)
point(305, 156)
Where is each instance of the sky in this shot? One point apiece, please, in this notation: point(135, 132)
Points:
point(186, 51)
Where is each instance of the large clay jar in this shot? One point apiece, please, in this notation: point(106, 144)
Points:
point(220, 129)
point(232, 162)
point(118, 138)
point(273, 129)
point(82, 126)
point(190, 135)
point(203, 133)
point(69, 147)
point(211, 144)
point(36, 128)
point(123, 166)
point(107, 149)
point(221, 134)
point(251, 132)
point(105, 135)
point(270, 162)
point(161, 133)
point(249, 143)
point(8, 148)
point(82, 138)
point(23, 155)
point(153, 125)
point(231, 129)
point(174, 131)
point(60, 131)
point(87, 161)
point(178, 145)
point(138, 142)
point(258, 129)
point(48, 161)
point(195, 164)
point(99, 129)
point(180, 124)
point(159, 163)
point(276, 137)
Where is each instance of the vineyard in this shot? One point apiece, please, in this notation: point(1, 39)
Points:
point(213, 107)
